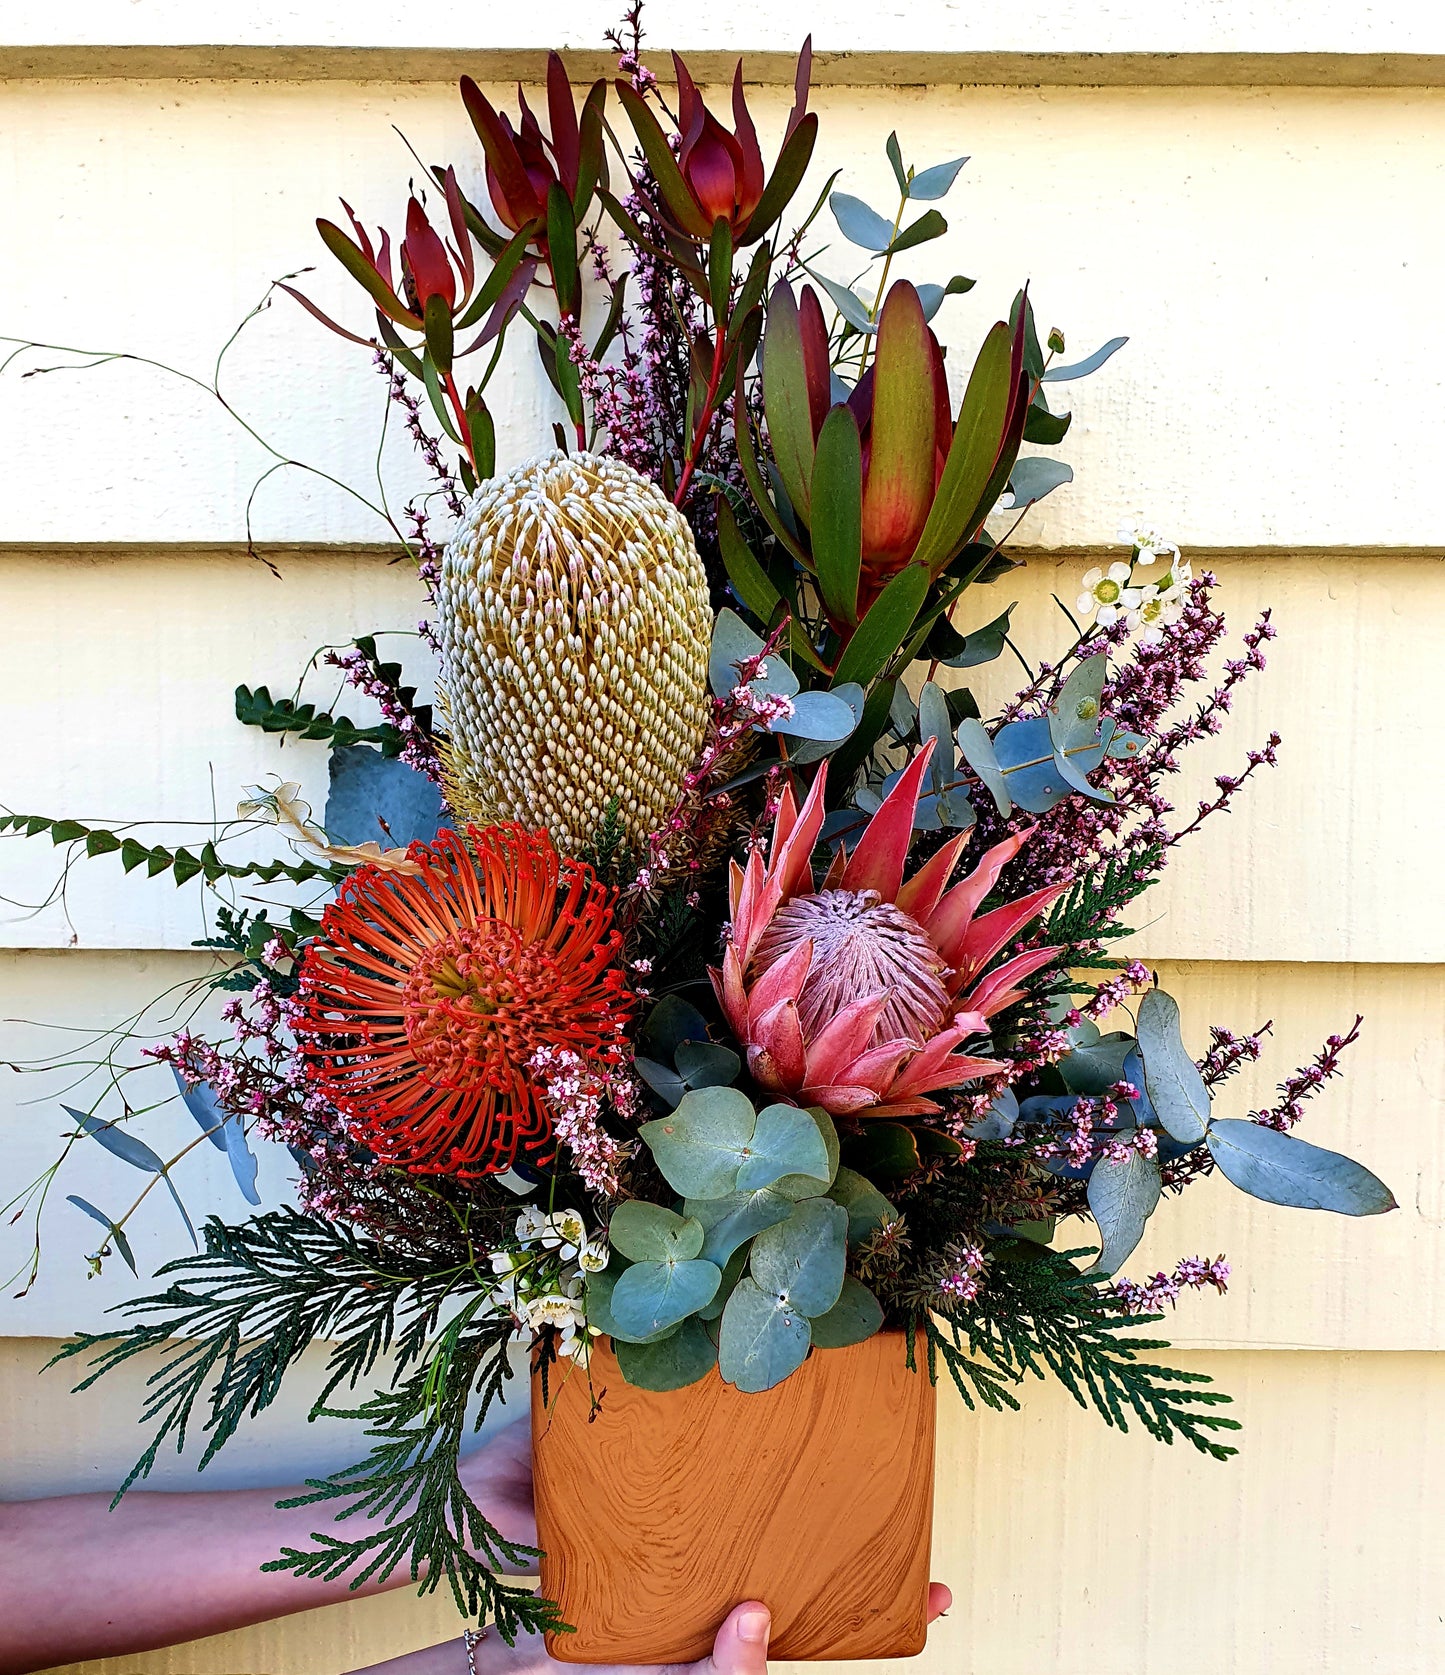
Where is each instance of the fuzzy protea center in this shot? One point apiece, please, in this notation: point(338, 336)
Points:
point(862, 946)
point(478, 1002)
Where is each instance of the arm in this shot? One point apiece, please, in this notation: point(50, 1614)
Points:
point(78, 1581)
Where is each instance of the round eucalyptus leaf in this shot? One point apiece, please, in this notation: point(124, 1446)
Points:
point(785, 1141)
point(728, 1223)
point(701, 1146)
point(651, 1296)
point(867, 1209)
point(648, 1233)
point(808, 1186)
point(800, 1261)
point(598, 1304)
point(671, 1363)
point(855, 1316)
point(761, 1340)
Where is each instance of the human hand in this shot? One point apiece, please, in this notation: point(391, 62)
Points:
point(740, 1648)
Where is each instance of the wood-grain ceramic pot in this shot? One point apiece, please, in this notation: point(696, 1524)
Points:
point(666, 1510)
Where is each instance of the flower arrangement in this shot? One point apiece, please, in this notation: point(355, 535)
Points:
point(707, 971)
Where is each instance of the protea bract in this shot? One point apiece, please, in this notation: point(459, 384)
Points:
point(858, 994)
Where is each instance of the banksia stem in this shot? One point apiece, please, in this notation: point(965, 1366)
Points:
point(575, 624)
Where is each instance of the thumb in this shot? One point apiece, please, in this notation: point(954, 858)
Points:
point(741, 1646)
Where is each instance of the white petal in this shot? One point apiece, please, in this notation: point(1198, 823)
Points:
point(1130, 598)
point(1118, 572)
point(1093, 577)
point(1150, 637)
point(1146, 555)
point(1108, 616)
point(1084, 603)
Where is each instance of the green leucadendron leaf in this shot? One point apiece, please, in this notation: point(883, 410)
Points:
point(837, 513)
point(883, 629)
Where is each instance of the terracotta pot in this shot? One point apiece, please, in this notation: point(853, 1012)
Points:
point(666, 1510)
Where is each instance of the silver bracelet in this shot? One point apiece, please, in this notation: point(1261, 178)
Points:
point(470, 1638)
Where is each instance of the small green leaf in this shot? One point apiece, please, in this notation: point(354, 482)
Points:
point(895, 157)
point(671, 1363)
point(929, 225)
point(884, 1151)
point(115, 1234)
point(856, 1315)
point(837, 513)
point(707, 1064)
point(808, 1186)
point(749, 579)
point(859, 224)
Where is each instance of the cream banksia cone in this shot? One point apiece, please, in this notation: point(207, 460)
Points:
point(574, 623)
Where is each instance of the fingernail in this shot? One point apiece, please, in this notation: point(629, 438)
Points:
point(753, 1627)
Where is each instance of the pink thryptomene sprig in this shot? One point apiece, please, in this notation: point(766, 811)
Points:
point(1191, 1273)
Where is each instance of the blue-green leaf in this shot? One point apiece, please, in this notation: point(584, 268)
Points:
point(223, 1130)
point(1074, 715)
point(1090, 363)
point(707, 1064)
point(801, 1260)
point(761, 1340)
point(125, 1146)
point(733, 642)
point(867, 1209)
point(598, 1305)
point(859, 224)
point(646, 1232)
point(851, 306)
point(1122, 1197)
point(1283, 1170)
point(855, 1316)
point(931, 296)
point(1171, 1078)
point(650, 1296)
point(934, 183)
point(702, 1145)
point(374, 798)
point(823, 716)
point(809, 1186)
point(1032, 478)
point(114, 1233)
point(671, 1363)
point(785, 1141)
point(728, 1223)
point(978, 752)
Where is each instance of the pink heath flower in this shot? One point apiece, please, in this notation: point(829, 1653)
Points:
point(857, 994)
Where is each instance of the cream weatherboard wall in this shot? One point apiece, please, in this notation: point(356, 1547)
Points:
point(1252, 194)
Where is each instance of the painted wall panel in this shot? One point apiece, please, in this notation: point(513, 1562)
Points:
point(136, 657)
point(1067, 1545)
point(1253, 405)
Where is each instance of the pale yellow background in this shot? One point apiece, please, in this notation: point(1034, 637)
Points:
point(1251, 193)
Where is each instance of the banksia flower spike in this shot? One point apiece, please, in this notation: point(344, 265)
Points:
point(575, 625)
point(424, 999)
point(857, 995)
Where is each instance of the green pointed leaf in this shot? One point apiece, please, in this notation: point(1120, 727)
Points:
point(673, 1362)
point(761, 1340)
point(929, 225)
point(562, 249)
point(800, 1262)
point(1283, 1170)
point(883, 629)
point(849, 304)
point(785, 398)
point(650, 1296)
point(703, 1144)
point(676, 195)
point(977, 437)
point(1090, 363)
point(856, 1315)
point(784, 181)
point(895, 157)
point(748, 578)
point(836, 497)
point(645, 1232)
point(967, 651)
point(351, 258)
point(1171, 1078)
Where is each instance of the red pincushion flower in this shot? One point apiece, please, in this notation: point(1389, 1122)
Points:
point(425, 997)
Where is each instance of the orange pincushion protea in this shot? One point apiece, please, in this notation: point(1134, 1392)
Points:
point(424, 998)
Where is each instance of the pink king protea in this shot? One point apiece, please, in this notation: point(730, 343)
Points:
point(858, 994)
